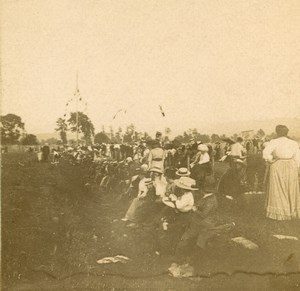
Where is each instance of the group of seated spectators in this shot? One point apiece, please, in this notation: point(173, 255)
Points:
point(163, 198)
point(167, 185)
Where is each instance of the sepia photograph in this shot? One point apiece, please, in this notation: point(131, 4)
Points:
point(150, 145)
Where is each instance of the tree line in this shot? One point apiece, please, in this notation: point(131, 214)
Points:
point(13, 132)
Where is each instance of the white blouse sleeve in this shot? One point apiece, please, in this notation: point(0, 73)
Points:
point(185, 203)
point(267, 152)
point(296, 157)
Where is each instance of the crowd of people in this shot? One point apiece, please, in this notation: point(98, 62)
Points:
point(170, 184)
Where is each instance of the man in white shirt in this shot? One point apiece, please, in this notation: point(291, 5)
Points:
point(237, 151)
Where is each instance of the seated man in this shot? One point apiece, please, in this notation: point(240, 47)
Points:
point(175, 214)
point(230, 184)
point(201, 221)
point(203, 225)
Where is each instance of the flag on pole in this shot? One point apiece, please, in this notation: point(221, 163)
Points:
point(162, 111)
point(117, 113)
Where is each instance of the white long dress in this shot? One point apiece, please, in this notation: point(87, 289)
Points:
point(283, 196)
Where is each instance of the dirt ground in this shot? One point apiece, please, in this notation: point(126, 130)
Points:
point(54, 229)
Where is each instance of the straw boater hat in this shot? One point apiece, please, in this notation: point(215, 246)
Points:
point(183, 172)
point(203, 148)
point(186, 183)
point(156, 170)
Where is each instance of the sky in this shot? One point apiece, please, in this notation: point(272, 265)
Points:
point(203, 61)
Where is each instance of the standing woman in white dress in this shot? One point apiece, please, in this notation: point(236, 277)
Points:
point(283, 196)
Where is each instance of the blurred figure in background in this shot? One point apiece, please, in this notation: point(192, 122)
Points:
point(45, 152)
point(156, 156)
point(201, 166)
point(237, 151)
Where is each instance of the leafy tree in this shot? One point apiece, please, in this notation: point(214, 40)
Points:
point(72, 142)
point(203, 137)
point(101, 137)
point(179, 139)
point(118, 137)
point(11, 127)
point(223, 136)
point(30, 139)
point(130, 128)
point(127, 137)
point(111, 132)
point(85, 126)
point(215, 137)
point(146, 136)
point(130, 133)
point(260, 133)
point(62, 128)
point(187, 136)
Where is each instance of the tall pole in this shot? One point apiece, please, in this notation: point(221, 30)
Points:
point(77, 91)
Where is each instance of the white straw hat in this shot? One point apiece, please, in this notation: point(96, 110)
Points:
point(186, 183)
point(183, 172)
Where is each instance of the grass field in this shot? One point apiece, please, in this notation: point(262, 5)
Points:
point(54, 229)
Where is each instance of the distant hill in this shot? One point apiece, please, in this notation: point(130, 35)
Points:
point(47, 135)
point(44, 136)
point(268, 126)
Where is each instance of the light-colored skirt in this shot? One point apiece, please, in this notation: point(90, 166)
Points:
point(158, 164)
point(132, 213)
point(283, 196)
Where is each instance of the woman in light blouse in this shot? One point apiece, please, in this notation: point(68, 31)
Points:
point(283, 196)
point(201, 166)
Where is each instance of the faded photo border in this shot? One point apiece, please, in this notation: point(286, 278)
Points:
point(128, 74)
